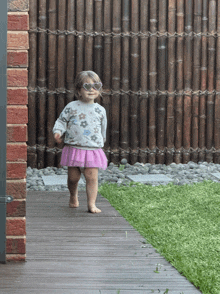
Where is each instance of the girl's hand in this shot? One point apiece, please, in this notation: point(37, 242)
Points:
point(57, 138)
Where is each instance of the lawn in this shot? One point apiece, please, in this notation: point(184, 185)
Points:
point(181, 222)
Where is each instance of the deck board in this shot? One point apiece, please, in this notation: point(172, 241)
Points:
point(73, 251)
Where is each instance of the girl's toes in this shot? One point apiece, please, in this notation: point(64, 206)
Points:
point(94, 209)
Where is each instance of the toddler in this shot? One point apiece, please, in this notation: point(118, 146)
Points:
point(84, 123)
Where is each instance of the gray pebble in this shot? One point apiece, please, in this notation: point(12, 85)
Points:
point(127, 165)
point(154, 171)
point(124, 161)
point(121, 176)
point(179, 173)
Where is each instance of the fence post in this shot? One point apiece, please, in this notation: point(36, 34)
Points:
point(3, 105)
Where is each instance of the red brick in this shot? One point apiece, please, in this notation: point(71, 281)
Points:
point(16, 152)
point(16, 246)
point(16, 188)
point(18, 21)
point(16, 209)
point(16, 133)
point(17, 114)
point(17, 59)
point(16, 227)
point(18, 5)
point(17, 77)
point(17, 40)
point(15, 257)
point(16, 170)
point(17, 96)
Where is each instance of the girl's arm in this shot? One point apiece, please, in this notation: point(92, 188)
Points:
point(104, 126)
point(60, 125)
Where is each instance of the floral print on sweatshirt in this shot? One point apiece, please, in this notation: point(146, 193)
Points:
point(83, 124)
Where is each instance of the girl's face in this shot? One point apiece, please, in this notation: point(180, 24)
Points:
point(88, 96)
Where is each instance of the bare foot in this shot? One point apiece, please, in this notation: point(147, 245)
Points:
point(74, 202)
point(94, 209)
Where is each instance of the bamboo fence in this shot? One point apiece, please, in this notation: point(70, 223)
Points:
point(152, 82)
point(159, 62)
point(217, 98)
point(51, 101)
point(196, 77)
point(179, 84)
point(41, 79)
point(124, 107)
point(115, 80)
point(107, 71)
point(162, 76)
point(143, 99)
point(32, 84)
point(171, 69)
point(203, 84)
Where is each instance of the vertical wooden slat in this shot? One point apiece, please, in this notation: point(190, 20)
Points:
point(80, 39)
point(32, 82)
point(152, 82)
point(98, 47)
point(211, 75)
point(88, 65)
point(124, 107)
point(61, 55)
point(116, 65)
point(42, 49)
point(217, 98)
point(106, 98)
point(61, 61)
point(187, 103)
point(144, 19)
point(161, 111)
point(51, 72)
point(134, 140)
point(70, 66)
point(171, 81)
point(179, 97)
point(202, 102)
point(196, 78)
point(98, 16)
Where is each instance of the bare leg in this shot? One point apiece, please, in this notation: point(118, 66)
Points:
point(91, 175)
point(74, 175)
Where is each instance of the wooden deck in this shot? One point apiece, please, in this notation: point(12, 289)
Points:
point(73, 251)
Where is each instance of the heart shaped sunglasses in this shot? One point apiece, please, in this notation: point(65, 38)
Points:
point(88, 87)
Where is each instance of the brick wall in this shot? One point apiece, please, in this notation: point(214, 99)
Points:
point(17, 119)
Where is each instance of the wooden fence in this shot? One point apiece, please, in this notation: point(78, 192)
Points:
point(159, 61)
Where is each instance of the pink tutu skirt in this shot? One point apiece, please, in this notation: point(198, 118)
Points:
point(83, 158)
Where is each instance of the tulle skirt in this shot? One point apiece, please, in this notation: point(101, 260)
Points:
point(83, 158)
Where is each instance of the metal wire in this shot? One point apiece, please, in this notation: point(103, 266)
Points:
point(124, 34)
point(137, 151)
point(188, 92)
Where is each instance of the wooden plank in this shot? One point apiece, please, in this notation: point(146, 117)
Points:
point(77, 252)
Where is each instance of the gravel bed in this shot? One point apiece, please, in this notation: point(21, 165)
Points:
point(179, 173)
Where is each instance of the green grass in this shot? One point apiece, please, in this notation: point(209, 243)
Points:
point(181, 222)
point(121, 167)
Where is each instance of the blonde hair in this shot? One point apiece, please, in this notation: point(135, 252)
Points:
point(81, 79)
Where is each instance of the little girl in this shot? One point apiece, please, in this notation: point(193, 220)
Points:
point(84, 123)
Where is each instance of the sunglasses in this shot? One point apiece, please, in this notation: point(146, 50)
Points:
point(88, 87)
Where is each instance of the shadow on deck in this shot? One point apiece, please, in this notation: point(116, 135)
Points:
point(73, 251)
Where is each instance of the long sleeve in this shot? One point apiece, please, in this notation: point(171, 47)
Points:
point(60, 125)
point(104, 126)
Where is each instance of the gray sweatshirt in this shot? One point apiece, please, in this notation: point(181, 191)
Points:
point(84, 125)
